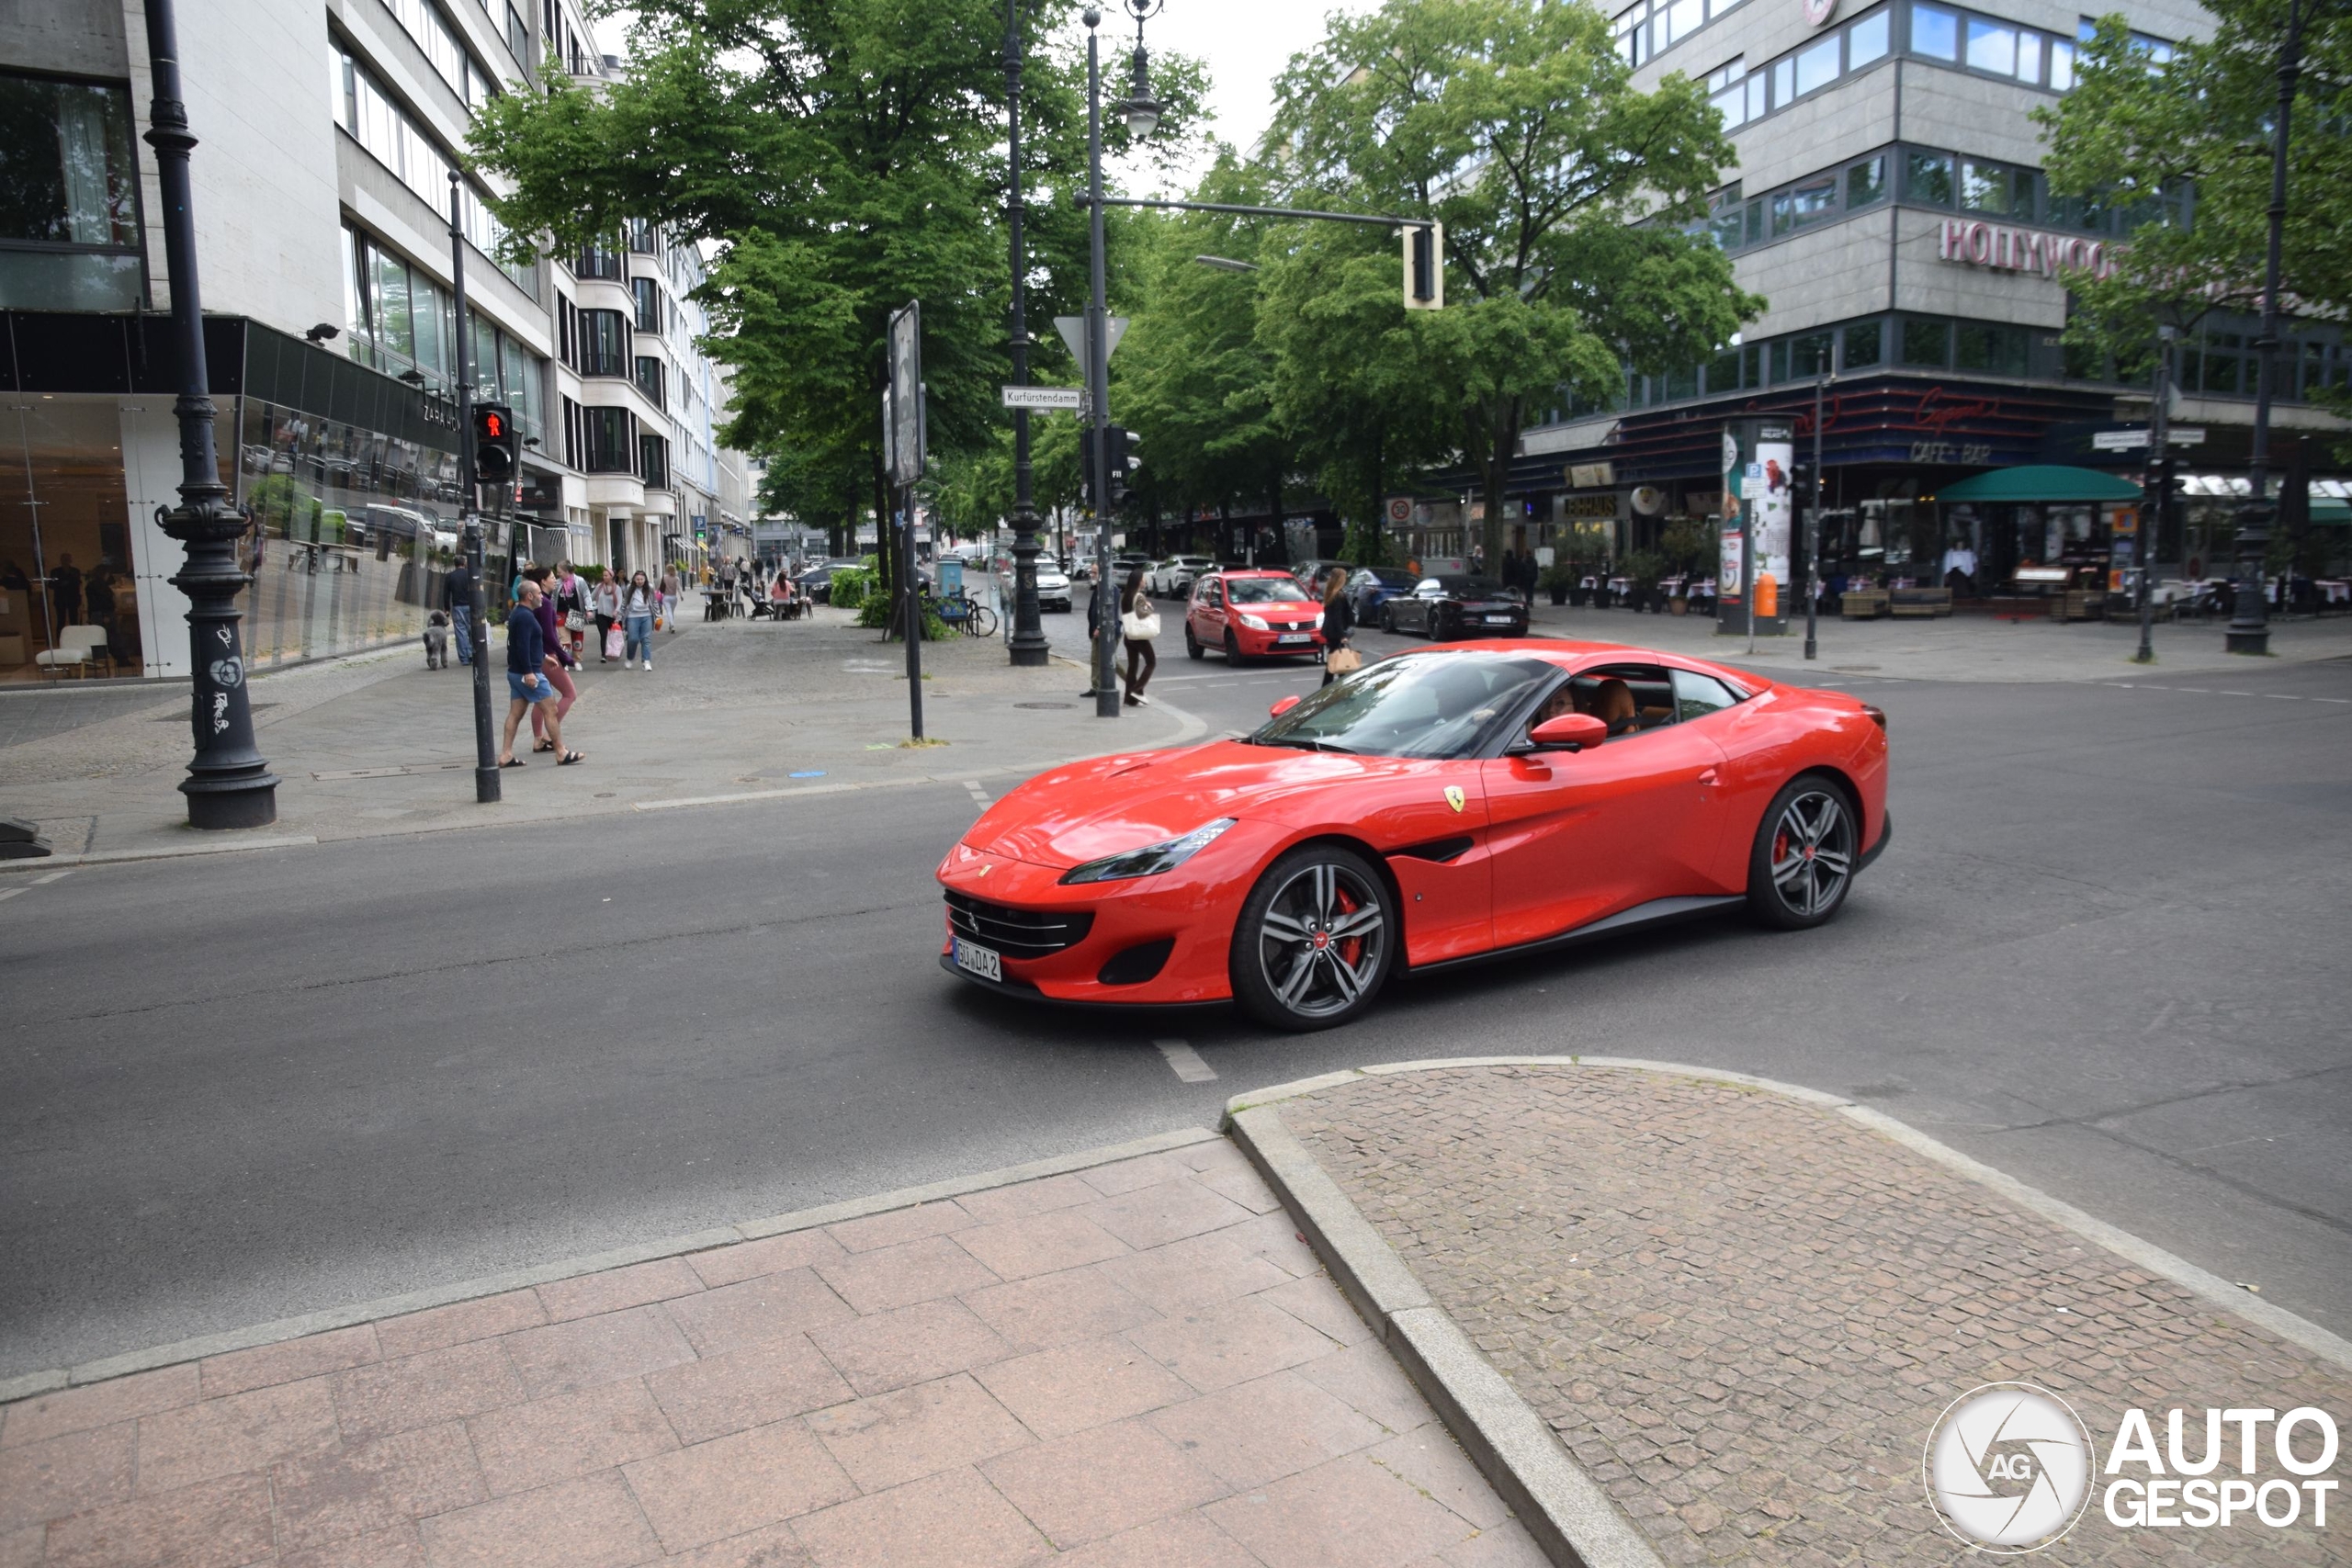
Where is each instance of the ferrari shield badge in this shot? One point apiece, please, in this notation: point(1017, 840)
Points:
point(1453, 796)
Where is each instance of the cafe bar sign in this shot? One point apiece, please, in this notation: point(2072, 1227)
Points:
point(2010, 249)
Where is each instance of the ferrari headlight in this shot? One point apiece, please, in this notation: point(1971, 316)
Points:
point(1151, 860)
point(1255, 623)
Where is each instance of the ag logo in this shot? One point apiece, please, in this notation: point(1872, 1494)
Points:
point(2008, 1468)
point(1453, 796)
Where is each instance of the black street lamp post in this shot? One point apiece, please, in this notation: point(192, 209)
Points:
point(2249, 630)
point(1029, 645)
point(488, 789)
point(1142, 113)
point(229, 784)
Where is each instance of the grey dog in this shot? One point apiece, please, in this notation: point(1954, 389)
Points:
point(436, 640)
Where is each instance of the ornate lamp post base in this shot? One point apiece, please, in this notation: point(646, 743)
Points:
point(229, 784)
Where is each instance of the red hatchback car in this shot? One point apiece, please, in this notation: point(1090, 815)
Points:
point(1431, 809)
point(1252, 614)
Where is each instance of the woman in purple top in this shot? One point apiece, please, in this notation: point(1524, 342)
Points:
point(557, 666)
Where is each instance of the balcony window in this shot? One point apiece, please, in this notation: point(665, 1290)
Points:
point(608, 437)
point(649, 304)
point(603, 344)
point(69, 197)
point(653, 461)
point(599, 259)
point(649, 378)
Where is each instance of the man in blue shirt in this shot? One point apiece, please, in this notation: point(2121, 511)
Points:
point(526, 649)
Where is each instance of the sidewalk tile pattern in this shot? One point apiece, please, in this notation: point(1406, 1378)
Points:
point(1135, 1365)
point(1742, 1314)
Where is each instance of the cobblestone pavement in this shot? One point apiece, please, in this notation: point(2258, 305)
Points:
point(1138, 1365)
point(1742, 1313)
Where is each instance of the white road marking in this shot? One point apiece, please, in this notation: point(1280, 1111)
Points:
point(979, 796)
point(53, 876)
point(6, 893)
point(1186, 1061)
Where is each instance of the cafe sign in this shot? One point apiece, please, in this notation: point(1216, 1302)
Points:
point(2006, 248)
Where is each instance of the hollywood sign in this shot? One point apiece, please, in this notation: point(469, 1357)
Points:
point(2022, 250)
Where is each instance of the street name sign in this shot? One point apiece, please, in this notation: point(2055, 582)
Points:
point(2124, 440)
point(1069, 398)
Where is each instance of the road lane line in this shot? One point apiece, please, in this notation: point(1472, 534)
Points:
point(53, 876)
point(6, 893)
point(1186, 1061)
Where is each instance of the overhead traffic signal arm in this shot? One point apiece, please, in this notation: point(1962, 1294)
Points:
point(1424, 238)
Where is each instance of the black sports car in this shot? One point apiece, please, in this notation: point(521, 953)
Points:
point(1443, 607)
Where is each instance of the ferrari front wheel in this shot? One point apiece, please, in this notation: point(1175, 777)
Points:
point(1315, 940)
point(1803, 859)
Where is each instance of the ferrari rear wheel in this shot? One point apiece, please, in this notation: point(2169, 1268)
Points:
point(1315, 940)
point(1803, 863)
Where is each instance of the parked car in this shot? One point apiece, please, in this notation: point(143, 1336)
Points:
point(1053, 586)
point(1441, 608)
point(816, 582)
point(1173, 579)
point(1315, 574)
point(1252, 614)
point(1369, 587)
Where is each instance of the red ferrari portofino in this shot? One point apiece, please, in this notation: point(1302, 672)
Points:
point(1431, 809)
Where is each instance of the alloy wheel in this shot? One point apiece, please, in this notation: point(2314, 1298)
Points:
point(1813, 852)
point(1322, 938)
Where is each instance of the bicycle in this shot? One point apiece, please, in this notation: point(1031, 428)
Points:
point(962, 614)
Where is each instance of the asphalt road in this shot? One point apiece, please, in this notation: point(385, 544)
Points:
point(2106, 953)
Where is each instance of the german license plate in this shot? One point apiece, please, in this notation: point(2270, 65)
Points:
point(980, 961)
point(1295, 637)
point(1499, 620)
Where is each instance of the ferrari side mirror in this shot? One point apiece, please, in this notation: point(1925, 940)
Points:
point(1569, 732)
point(1288, 702)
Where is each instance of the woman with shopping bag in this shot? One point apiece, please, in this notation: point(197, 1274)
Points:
point(1138, 624)
point(1339, 626)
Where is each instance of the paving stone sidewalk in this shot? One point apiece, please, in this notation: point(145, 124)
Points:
point(379, 745)
point(1743, 1314)
point(1138, 1365)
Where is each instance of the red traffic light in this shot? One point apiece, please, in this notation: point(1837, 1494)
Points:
point(491, 425)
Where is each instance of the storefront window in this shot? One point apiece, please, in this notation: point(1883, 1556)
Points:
point(69, 197)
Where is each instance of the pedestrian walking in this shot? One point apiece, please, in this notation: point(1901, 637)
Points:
point(604, 599)
point(458, 599)
point(671, 588)
point(65, 588)
point(555, 665)
point(640, 603)
point(527, 687)
point(1339, 626)
point(1098, 605)
point(1138, 624)
point(572, 608)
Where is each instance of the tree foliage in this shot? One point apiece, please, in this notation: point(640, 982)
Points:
point(2184, 148)
point(1564, 193)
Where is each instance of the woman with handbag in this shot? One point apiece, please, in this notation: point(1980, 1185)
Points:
point(556, 667)
point(572, 608)
point(1138, 624)
point(1339, 625)
point(606, 597)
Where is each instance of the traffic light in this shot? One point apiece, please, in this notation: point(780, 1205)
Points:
point(1123, 459)
point(496, 447)
point(1425, 267)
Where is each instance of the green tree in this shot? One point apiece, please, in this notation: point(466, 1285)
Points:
point(836, 158)
point(1564, 193)
point(2184, 148)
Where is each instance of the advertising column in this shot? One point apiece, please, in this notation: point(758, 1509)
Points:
point(1757, 523)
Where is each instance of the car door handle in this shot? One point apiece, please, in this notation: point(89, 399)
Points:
point(1707, 777)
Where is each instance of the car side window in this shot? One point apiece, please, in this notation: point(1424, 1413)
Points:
point(1428, 588)
point(1697, 696)
point(1629, 698)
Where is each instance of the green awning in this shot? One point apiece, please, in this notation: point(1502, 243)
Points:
point(2327, 510)
point(2040, 482)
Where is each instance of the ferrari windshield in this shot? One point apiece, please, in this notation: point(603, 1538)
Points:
point(1264, 591)
point(1428, 705)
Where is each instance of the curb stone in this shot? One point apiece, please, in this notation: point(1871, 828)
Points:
point(1568, 1513)
point(47, 1382)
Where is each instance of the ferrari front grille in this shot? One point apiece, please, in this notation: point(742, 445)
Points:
point(1017, 934)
